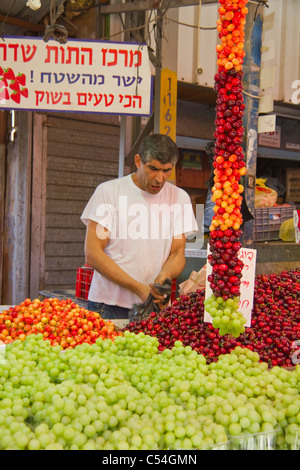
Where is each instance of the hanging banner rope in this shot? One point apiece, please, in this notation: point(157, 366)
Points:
point(56, 31)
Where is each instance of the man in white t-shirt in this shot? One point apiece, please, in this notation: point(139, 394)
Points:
point(136, 231)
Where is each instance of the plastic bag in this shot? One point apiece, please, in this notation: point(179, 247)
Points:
point(196, 281)
point(274, 183)
point(141, 311)
point(287, 231)
point(208, 211)
point(264, 196)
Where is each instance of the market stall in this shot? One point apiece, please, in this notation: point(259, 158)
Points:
point(168, 382)
point(173, 380)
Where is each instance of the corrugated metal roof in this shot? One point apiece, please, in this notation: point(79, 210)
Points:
point(17, 10)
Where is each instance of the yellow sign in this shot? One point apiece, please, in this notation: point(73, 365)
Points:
point(168, 106)
point(168, 103)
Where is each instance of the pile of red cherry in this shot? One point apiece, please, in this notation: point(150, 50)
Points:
point(226, 266)
point(229, 164)
point(275, 325)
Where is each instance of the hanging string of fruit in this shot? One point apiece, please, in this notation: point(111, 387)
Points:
point(229, 167)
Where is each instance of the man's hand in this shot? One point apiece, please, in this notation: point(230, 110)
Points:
point(171, 269)
point(160, 279)
point(144, 292)
point(161, 295)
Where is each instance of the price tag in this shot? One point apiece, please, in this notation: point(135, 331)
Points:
point(194, 253)
point(248, 256)
point(267, 123)
point(270, 139)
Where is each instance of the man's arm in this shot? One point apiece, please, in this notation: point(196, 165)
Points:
point(96, 240)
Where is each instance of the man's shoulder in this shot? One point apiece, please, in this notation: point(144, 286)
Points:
point(114, 183)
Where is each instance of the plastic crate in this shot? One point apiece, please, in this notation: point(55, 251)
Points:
point(265, 440)
point(83, 282)
point(293, 184)
point(292, 436)
point(268, 220)
point(84, 279)
point(173, 290)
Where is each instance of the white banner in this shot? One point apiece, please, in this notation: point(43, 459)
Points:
point(79, 76)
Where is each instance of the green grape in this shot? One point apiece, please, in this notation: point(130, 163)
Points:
point(225, 315)
point(132, 396)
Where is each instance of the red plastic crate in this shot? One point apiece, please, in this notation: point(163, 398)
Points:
point(173, 290)
point(83, 282)
point(84, 279)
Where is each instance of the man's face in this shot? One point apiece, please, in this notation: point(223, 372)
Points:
point(151, 176)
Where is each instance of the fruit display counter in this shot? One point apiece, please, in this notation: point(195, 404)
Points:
point(168, 383)
point(275, 322)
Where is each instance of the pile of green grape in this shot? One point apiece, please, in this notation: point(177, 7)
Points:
point(225, 315)
point(126, 395)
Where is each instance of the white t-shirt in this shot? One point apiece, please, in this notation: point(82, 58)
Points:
point(141, 227)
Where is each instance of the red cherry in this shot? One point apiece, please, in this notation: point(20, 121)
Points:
point(223, 267)
point(237, 269)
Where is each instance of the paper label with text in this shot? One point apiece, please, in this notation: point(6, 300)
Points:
point(248, 256)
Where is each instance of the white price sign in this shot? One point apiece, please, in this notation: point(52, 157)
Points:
point(248, 256)
point(267, 123)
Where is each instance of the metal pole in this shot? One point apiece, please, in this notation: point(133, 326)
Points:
point(122, 146)
point(252, 68)
point(158, 66)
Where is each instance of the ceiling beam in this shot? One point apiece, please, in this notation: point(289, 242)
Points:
point(143, 5)
point(22, 24)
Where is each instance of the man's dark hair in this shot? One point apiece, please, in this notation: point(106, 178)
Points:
point(158, 147)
